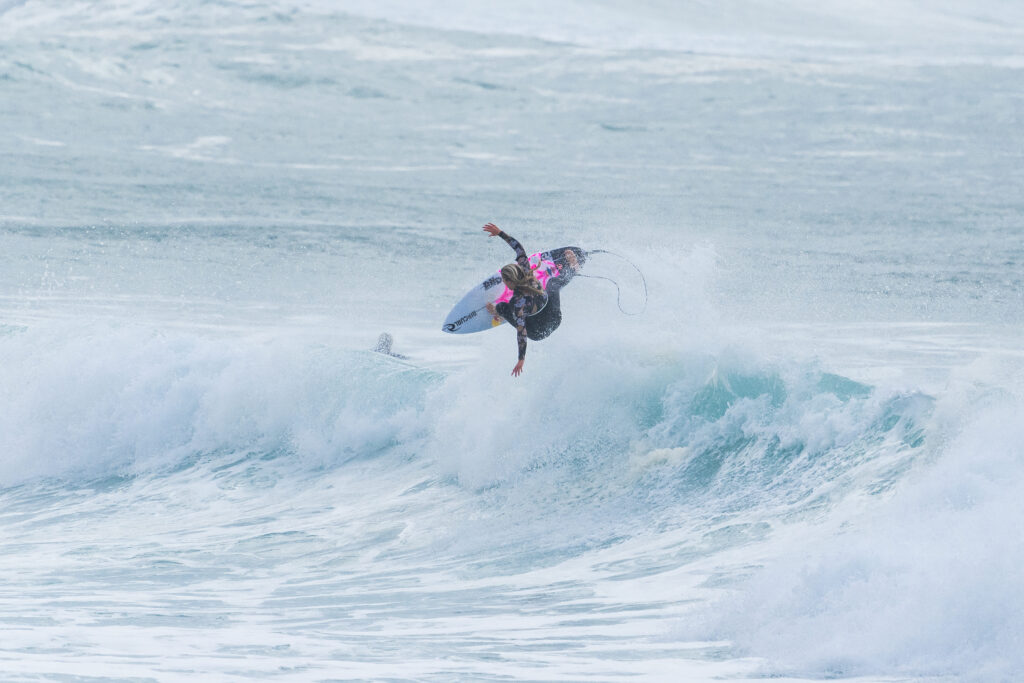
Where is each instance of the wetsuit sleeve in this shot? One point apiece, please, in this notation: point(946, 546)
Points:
point(519, 313)
point(518, 302)
point(521, 257)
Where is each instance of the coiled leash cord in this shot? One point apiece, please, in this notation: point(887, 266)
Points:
point(618, 290)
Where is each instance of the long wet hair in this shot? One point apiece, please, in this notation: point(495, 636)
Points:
point(523, 280)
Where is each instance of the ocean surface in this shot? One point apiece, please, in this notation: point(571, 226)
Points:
point(803, 461)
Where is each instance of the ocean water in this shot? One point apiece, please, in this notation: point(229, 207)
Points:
point(803, 461)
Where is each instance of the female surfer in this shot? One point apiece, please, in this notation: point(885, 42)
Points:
point(534, 312)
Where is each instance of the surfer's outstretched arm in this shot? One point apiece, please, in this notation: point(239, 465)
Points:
point(521, 257)
point(519, 310)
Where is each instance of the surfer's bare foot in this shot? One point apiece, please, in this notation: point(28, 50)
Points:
point(570, 258)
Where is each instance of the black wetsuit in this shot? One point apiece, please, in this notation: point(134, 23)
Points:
point(533, 317)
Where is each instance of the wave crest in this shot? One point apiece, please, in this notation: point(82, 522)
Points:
point(94, 402)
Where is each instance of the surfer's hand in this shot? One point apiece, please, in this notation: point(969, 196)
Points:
point(518, 368)
point(491, 309)
point(492, 229)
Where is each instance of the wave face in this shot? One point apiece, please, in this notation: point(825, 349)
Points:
point(802, 460)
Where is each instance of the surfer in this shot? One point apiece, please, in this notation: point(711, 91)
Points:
point(534, 312)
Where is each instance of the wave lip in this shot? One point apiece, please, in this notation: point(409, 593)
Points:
point(719, 431)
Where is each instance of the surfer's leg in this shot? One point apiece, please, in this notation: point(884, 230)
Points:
point(542, 324)
point(555, 285)
point(569, 263)
point(539, 325)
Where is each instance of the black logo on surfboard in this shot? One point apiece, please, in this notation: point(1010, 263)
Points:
point(492, 282)
point(451, 327)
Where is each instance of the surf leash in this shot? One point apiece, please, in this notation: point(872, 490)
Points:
point(618, 290)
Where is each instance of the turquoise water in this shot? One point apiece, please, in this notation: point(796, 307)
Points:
point(801, 460)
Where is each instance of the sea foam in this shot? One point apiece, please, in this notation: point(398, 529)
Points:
point(926, 584)
point(100, 400)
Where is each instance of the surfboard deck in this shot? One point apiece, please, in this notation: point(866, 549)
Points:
point(470, 313)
